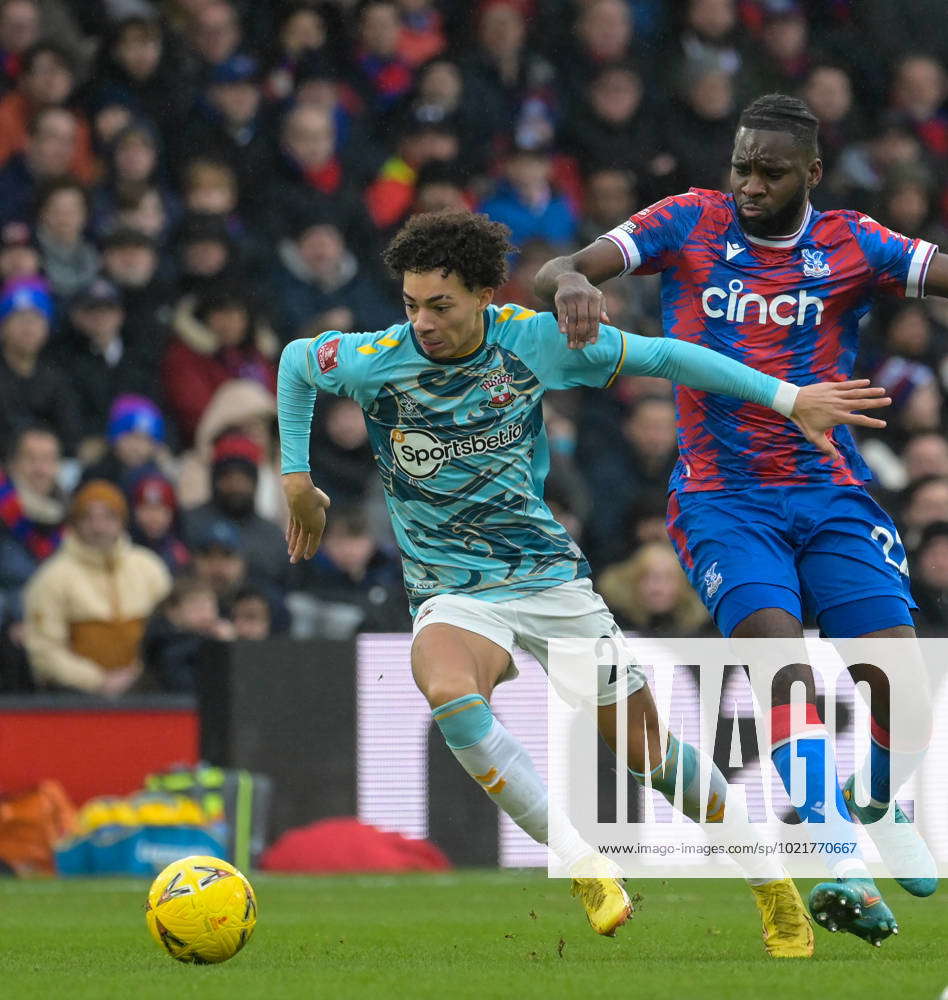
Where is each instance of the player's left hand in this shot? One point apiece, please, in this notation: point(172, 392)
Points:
point(307, 505)
point(821, 407)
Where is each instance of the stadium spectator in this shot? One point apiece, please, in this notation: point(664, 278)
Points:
point(930, 579)
point(136, 444)
point(49, 153)
point(230, 123)
point(130, 260)
point(604, 34)
point(70, 261)
point(243, 407)
point(828, 90)
point(440, 186)
point(421, 36)
point(219, 560)
point(217, 337)
point(785, 54)
point(302, 32)
point(382, 74)
point(710, 37)
point(925, 502)
point(355, 582)
point(234, 474)
point(155, 521)
point(215, 33)
point(174, 639)
point(314, 270)
point(19, 29)
point(208, 258)
point(134, 161)
point(610, 125)
point(210, 188)
point(389, 197)
point(137, 69)
point(342, 444)
point(649, 593)
point(47, 79)
point(925, 454)
point(31, 389)
point(503, 74)
point(919, 88)
point(907, 203)
point(87, 606)
point(643, 452)
point(611, 197)
point(699, 128)
point(101, 361)
point(20, 260)
point(528, 203)
point(252, 614)
point(32, 512)
point(145, 208)
point(309, 176)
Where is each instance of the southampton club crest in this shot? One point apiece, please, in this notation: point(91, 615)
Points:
point(497, 385)
point(813, 264)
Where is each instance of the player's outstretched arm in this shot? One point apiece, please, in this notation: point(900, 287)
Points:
point(568, 284)
point(814, 408)
point(936, 280)
point(296, 397)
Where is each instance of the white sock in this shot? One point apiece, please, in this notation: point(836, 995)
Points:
point(501, 766)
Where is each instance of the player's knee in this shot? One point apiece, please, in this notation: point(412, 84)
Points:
point(439, 691)
point(768, 623)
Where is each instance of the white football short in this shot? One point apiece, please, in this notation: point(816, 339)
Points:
point(569, 611)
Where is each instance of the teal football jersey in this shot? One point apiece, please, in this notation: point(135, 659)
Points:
point(461, 447)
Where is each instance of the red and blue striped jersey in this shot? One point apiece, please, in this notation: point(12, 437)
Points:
point(789, 307)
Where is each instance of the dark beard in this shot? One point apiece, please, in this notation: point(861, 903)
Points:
point(781, 223)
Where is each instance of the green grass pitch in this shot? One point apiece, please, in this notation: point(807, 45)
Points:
point(477, 935)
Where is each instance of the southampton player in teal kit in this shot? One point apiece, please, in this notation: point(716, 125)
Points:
point(765, 525)
point(452, 405)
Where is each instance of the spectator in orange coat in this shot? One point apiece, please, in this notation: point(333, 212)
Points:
point(47, 79)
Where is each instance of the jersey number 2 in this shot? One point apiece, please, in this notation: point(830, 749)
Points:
point(881, 534)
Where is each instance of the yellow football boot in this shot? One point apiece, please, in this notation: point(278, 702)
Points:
point(787, 930)
point(606, 903)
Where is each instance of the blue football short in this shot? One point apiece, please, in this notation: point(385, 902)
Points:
point(827, 551)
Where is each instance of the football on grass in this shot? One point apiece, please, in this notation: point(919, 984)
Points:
point(201, 910)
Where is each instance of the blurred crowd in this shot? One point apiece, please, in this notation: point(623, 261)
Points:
point(187, 185)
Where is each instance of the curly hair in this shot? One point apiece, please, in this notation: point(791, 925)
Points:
point(471, 245)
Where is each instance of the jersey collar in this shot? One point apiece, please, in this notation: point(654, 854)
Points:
point(464, 359)
point(782, 242)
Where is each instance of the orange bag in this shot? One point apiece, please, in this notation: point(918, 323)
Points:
point(31, 823)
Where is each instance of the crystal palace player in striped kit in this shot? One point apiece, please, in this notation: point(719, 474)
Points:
point(765, 525)
point(452, 402)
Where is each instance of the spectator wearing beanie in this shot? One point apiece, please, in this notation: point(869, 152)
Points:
point(155, 522)
point(244, 407)
point(31, 389)
point(222, 340)
point(136, 437)
point(86, 607)
point(234, 474)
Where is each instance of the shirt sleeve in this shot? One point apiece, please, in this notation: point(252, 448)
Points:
point(330, 362)
point(898, 262)
point(700, 368)
point(537, 340)
point(652, 238)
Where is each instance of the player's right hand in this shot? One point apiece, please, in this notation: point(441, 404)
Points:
point(580, 307)
point(821, 407)
point(307, 505)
